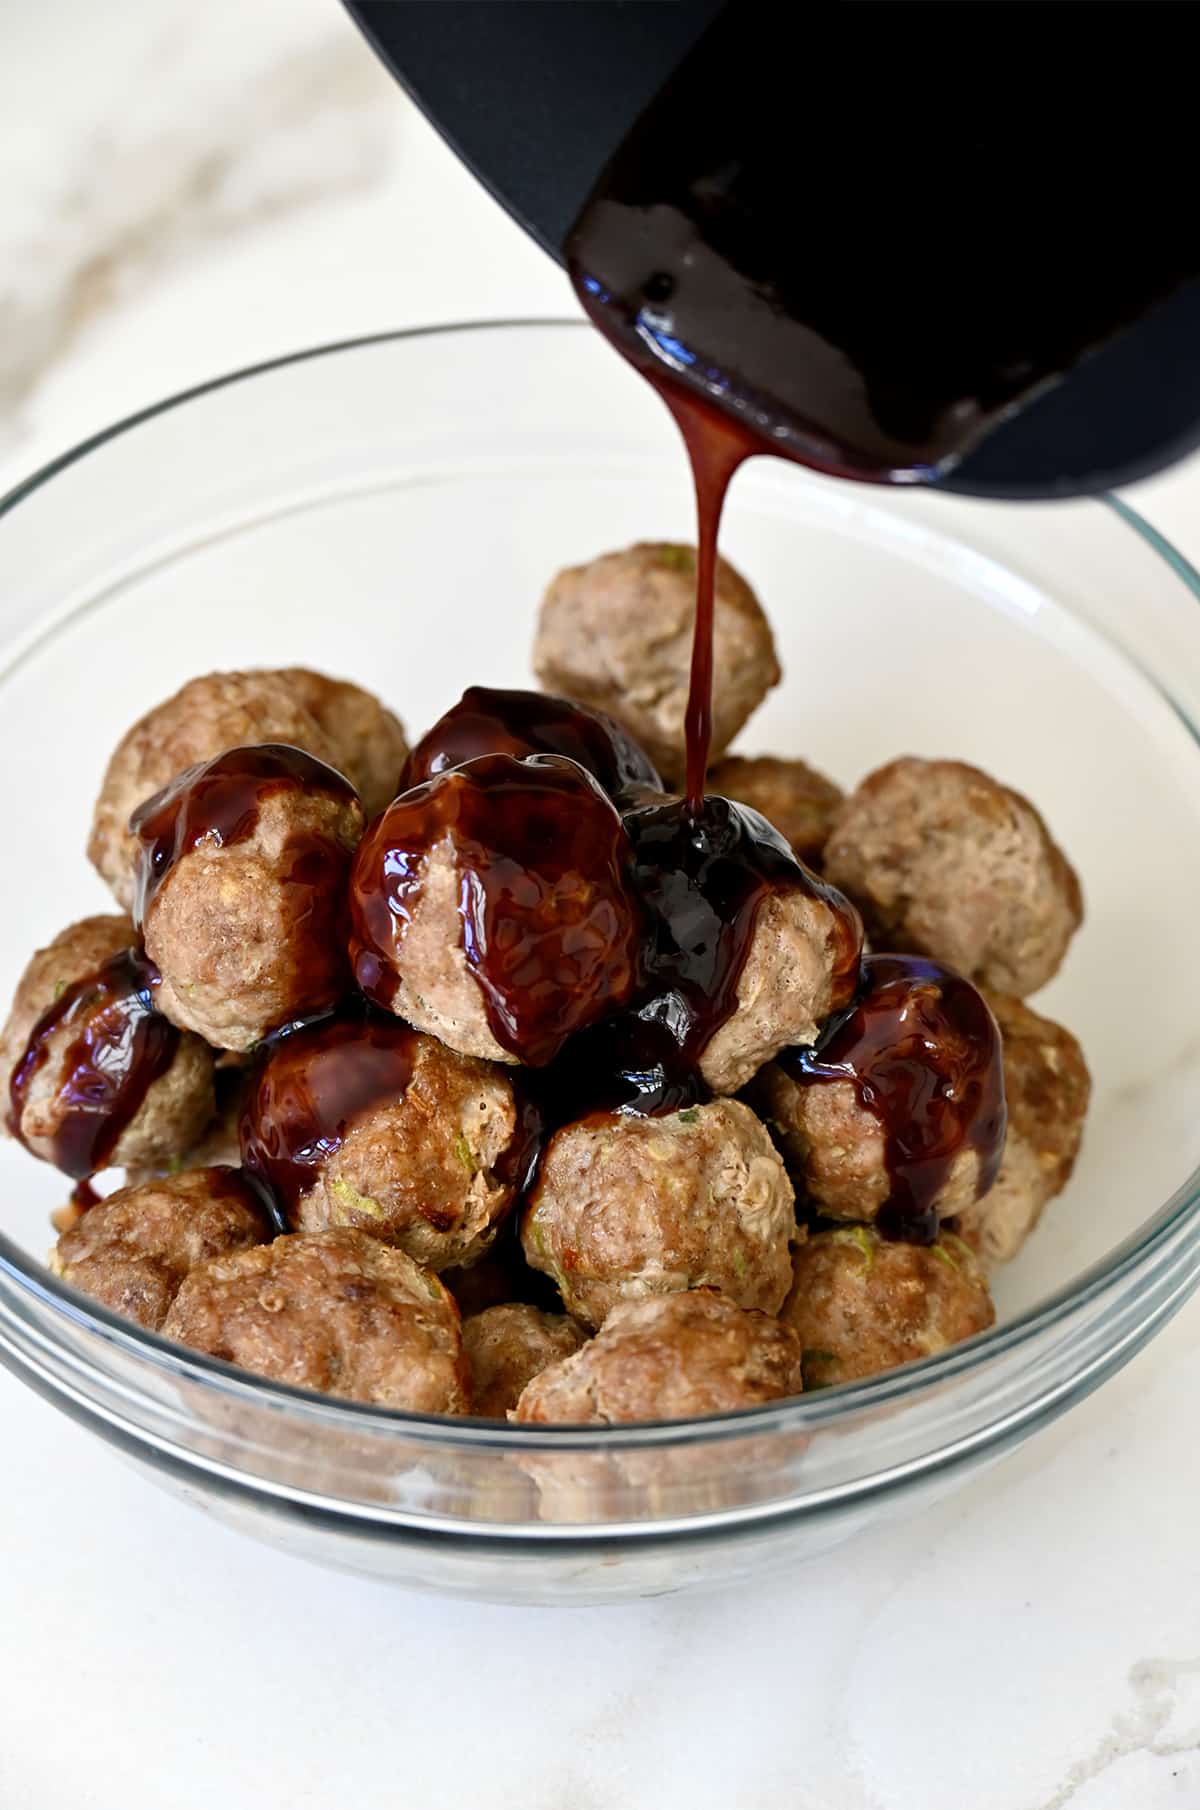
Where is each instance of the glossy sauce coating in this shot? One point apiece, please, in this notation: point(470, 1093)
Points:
point(923, 1052)
point(631, 1063)
point(549, 923)
point(702, 876)
point(520, 723)
point(119, 1047)
point(219, 801)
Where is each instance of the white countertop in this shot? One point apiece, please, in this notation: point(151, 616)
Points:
point(1032, 1644)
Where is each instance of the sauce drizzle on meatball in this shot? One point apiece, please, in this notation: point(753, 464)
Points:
point(317, 1077)
point(313, 1079)
point(219, 802)
point(549, 924)
point(702, 875)
point(120, 1047)
point(520, 723)
point(923, 1052)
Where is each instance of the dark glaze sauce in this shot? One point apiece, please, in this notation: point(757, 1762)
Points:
point(218, 802)
point(520, 723)
point(549, 923)
point(715, 449)
point(923, 1052)
point(632, 1063)
point(119, 1046)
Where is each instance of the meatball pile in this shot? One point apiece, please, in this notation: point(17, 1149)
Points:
point(492, 1077)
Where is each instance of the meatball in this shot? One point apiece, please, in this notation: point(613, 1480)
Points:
point(799, 801)
point(492, 907)
point(1048, 1087)
point(796, 971)
point(672, 1358)
point(617, 635)
point(368, 743)
point(218, 1146)
point(242, 870)
point(747, 950)
point(943, 860)
point(507, 1346)
point(896, 1115)
point(860, 1304)
point(221, 710)
point(334, 1311)
point(95, 1077)
point(360, 1121)
point(626, 1207)
point(521, 723)
point(133, 1250)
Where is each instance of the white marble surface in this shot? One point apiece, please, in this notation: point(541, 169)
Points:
point(186, 189)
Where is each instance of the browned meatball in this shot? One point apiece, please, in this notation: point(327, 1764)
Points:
point(625, 1207)
point(368, 742)
point(672, 1358)
point(797, 969)
point(431, 1171)
point(897, 1114)
point(860, 1304)
point(242, 870)
point(361, 1121)
point(616, 634)
point(492, 907)
point(134, 1249)
point(798, 800)
point(735, 922)
point(334, 1311)
point(94, 1077)
point(207, 715)
point(507, 1346)
point(944, 860)
point(1048, 1087)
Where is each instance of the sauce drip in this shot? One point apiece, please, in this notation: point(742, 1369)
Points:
point(218, 802)
point(119, 1047)
point(715, 449)
point(549, 923)
point(923, 1052)
point(520, 723)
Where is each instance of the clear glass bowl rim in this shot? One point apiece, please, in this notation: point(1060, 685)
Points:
point(1122, 1265)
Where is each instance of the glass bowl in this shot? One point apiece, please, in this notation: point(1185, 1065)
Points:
point(390, 510)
